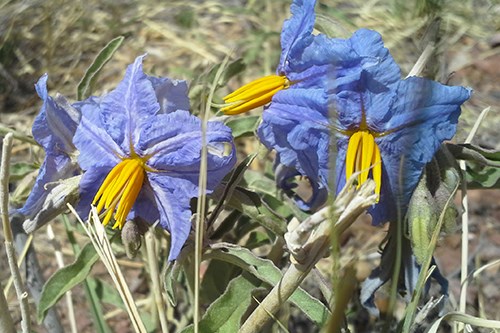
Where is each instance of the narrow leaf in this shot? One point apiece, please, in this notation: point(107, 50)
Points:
point(65, 279)
point(84, 88)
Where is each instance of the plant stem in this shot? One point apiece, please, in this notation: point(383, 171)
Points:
point(155, 278)
point(347, 207)
point(22, 295)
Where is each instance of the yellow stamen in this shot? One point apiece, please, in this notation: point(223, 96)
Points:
point(254, 94)
point(363, 156)
point(120, 190)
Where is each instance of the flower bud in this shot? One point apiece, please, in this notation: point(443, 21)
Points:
point(132, 233)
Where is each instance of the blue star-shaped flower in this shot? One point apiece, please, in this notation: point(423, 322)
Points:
point(141, 154)
point(386, 127)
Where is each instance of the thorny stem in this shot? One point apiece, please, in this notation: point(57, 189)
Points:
point(22, 295)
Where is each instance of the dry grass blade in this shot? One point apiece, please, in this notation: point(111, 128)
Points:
point(465, 223)
point(200, 210)
point(97, 234)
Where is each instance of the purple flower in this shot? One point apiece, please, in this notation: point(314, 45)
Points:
point(140, 151)
point(53, 129)
point(387, 127)
point(296, 35)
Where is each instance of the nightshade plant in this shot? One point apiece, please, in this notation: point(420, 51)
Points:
point(337, 112)
point(384, 128)
point(140, 149)
point(142, 160)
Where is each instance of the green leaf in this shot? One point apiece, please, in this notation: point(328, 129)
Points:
point(65, 279)
point(106, 293)
point(480, 177)
point(256, 239)
point(250, 204)
point(273, 197)
point(266, 271)
point(216, 278)
point(483, 165)
point(247, 202)
point(224, 315)
point(84, 88)
point(243, 126)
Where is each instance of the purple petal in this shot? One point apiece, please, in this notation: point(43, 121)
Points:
point(172, 95)
point(296, 29)
point(174, 142)
point(53, 169)
point(56, 123)
point(295, 127)
point(132, 102)
point(89, 185)
point(172, 199)
point(96, 146)
point(284, 180)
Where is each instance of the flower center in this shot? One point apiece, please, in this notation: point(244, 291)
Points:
point(120, 190)
point(254, 94)
point(363, 156)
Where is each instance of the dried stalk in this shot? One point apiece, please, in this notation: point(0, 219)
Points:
point(22, 295)
point(308, 243)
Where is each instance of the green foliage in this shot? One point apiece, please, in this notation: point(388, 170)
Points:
point(243, 126)
point(249, 202)
point(483, 172)
point(267, 272)
point(483, 165)
point(224, 314)
point(85, 86)
point(65, 279)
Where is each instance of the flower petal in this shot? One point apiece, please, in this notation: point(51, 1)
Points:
point(53, 128)
point(172, 197)
point(296, 30)
point(124, 109)
point(295, 127)
point(97, 148)
point(89, 185)
point(174, 142)
point(284, 180)
point(56, 123)
point(172, 95)
point(425, 114)
point(53, 169)
point(374, 57)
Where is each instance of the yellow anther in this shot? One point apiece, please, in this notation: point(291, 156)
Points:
point(363, 156)
point(254, 94)
point(120, 190)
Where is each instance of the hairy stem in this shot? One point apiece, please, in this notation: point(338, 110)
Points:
point(22, 295)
